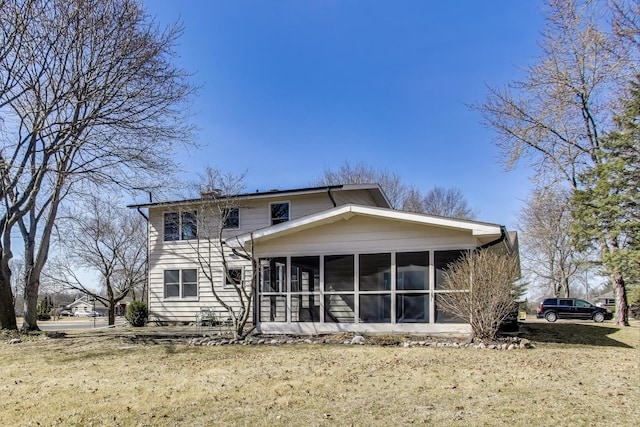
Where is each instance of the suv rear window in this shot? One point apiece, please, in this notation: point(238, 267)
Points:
point(551, 301)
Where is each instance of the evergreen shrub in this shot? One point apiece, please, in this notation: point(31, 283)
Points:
point(137, 313)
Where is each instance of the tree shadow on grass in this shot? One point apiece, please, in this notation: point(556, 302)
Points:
point(571, 333)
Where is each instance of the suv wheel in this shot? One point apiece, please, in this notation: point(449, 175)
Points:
point(598, 317)
point(551, 316)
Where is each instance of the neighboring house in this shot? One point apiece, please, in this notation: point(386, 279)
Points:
point(85, 305)
point(608, 300)
point(334, 258)
point(121, 307)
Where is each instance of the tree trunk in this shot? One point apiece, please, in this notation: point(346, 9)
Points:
point(622, 305)
point(565, 287)
point(30, 319)
point(7, 310)
point(112, 313)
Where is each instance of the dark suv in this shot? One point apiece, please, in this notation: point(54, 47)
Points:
point(571, 308)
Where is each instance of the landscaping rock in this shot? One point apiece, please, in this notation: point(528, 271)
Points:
point(358, 339)
point(501, 343)
point(525, 343)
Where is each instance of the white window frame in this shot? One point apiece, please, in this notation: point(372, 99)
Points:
point(288, 203)
point(180, 224)
point(181, 284)
point(225, 281)
point(224, 220)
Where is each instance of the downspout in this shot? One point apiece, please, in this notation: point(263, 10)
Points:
point(145, 292)
point(146, 261)
point(503, 236)
point(508, 244)
point(143, 215)
point(331, 197)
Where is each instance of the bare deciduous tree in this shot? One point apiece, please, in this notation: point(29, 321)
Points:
point(361, 173)
point(215, 257)
point(625, 22)
point(107, 240)
point(438, 201)
point(482, 287)
point(17, 285)
point(556, 117)
point(548, 250)
point(88, 94)
point(447, 202)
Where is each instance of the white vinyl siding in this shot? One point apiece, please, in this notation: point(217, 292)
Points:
point(361, 234)
point(354, 236)
point(182, 283)
point(182, 255)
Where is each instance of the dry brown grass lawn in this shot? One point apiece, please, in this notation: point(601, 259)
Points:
point(100, 379)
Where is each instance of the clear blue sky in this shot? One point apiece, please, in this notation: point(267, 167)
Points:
point(290, 88)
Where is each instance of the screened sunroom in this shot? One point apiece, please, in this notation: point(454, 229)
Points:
point(377, 290)
point(357, 269)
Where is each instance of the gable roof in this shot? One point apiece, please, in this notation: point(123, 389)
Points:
point(86, 300)
point(374, 189)
point(485, 231)
point(607, 295)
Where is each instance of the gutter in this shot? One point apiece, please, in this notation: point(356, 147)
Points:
point(508, 244)
point(503, 237)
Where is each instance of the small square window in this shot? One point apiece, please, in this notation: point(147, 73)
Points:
point(181, 283)
point(233, 277)
point(279, 213)
point(231, 218)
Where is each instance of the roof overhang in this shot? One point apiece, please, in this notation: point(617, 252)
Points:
point(345, 212)
point(374, 190)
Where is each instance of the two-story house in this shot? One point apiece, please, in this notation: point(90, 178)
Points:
point(330, 259)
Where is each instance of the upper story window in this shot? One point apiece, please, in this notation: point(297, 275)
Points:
point(231, 218)
point(180, 226)
point(279, 212)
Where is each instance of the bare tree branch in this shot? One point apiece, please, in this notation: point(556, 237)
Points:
point(89, 94)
